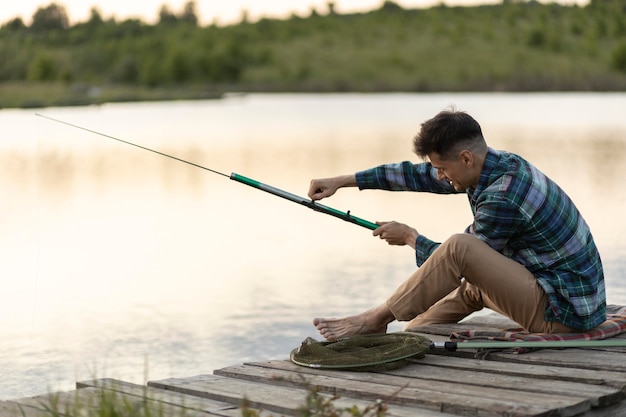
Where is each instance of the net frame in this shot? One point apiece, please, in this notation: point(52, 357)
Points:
point(369, 352)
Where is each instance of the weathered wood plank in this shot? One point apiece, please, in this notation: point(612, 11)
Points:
point(13, 409)
point(551, 373)
point(525, 385)
point(444, 395)
point(184, 401)
point(574, 358)
point(598, 395)
point(278, 399)
point(64, 403)
point(615, 410)
point(127, 397)
point(60, 401)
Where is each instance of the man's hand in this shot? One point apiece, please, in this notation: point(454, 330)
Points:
point(396, 233)
point(326, 187)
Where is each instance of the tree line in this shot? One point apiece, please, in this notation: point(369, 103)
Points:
point(512, 46)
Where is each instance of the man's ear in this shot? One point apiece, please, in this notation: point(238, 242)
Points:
point(467, 157)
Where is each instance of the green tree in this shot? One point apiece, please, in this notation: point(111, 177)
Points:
point(178, 66)
point(95, 18)
point(189, 14)
point(331, 7)
point(537, 38)
point(42, 68)
point(51, 17)
point(126, 71)
point(391, 6)
point(14, 25)
point(618, 57)
point(166, 16)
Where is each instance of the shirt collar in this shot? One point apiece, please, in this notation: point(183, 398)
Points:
point(491, 160)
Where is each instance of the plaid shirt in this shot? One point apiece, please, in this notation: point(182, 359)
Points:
point(525, 216)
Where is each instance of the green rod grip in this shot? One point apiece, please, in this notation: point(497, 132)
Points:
point(303, 201)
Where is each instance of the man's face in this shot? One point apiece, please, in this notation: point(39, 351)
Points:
point(456, 171)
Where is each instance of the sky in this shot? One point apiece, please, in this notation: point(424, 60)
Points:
point(210, 11)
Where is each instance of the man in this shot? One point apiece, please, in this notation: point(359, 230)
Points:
point(528, 253)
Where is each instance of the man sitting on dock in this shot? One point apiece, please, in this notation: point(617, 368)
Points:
point(528, 253)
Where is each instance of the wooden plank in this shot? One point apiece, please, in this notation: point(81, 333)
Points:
point(428, 371)
point(616, 410)
point(278, 399)
point(606, 359)
point(64, 403)
point(90, 395)
point(13, 409)
point(575, 358)
point(184, 401)
point(598, 395)
point(447, 396)
point(551, 373)
point(57, 401)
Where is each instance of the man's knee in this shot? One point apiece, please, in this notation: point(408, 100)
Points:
point(462, 249)
point(459, 242)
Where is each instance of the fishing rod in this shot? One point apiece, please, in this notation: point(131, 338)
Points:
point(506, 344)
point(346, 216)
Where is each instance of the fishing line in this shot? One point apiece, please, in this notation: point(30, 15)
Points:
point(346, 216)
point(129, 143)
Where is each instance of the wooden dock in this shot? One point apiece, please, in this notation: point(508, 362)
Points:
point(548, 382)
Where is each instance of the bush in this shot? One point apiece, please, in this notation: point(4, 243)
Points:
point(618, 57)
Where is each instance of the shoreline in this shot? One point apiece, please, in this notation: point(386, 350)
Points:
point(23, 95)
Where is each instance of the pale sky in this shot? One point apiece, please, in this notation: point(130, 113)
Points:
point(222, 11)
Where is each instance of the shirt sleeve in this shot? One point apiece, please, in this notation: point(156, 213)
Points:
point(403, 176)
point(424, 247)
point(406, 176)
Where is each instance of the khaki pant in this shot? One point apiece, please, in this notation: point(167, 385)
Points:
point(436, 292)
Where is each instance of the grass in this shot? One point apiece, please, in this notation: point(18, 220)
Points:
point(103, 402)
point(21, 94)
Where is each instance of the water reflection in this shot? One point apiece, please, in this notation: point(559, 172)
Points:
point(120, 260)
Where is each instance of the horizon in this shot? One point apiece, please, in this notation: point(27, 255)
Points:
point(222, 14)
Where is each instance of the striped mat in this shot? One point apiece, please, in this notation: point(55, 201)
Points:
point(614, 325)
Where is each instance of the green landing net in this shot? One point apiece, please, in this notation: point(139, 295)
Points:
point(373, 352)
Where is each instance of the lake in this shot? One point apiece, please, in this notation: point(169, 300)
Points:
point(118, 262)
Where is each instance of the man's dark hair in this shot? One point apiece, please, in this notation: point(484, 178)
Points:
point(448, 132)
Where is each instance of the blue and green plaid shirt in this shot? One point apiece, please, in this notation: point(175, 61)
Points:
point(524, 215)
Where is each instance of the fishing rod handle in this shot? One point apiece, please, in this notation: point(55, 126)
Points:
point(303, 201)
point(341, 215)
point(449, 346)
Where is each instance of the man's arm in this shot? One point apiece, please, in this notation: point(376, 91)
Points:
point(393, 232)
point(403, 176)
point(397, 234)
point(325, 187)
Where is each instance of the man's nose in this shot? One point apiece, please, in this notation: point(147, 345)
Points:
point(440, 175)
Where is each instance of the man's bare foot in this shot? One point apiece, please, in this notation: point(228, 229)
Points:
point(368, 322)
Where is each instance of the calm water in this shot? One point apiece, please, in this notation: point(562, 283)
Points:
point(116, 262)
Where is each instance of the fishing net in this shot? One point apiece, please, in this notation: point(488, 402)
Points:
point(374, 352)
